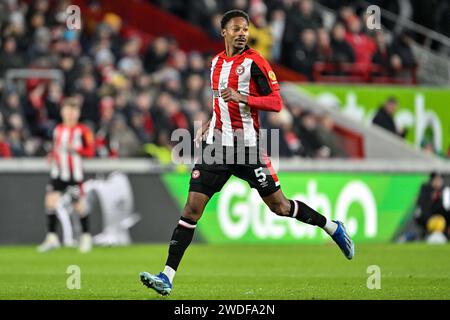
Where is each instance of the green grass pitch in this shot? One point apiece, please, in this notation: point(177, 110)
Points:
point(408, 271)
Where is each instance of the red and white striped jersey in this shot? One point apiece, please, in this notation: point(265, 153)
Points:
point(250, 74)
point(70, 145)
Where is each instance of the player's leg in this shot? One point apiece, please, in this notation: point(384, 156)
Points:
point(263, 178)
point(51, 240)
point(184, 231)
point(205, 181)
point(80, 207)
point(280, 205)
point(180, 240)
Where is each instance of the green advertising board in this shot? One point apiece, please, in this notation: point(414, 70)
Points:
point(423, 112)
point(373, 207)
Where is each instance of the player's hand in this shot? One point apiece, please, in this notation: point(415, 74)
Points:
point(50, 157)
point(229, 94)
point(200, 134)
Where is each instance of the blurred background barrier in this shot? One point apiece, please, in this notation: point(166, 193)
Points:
point(374, 207)
point(22, 217)
point(375, 197)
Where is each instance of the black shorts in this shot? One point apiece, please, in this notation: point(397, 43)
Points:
point(209, 178)
point(62, 186)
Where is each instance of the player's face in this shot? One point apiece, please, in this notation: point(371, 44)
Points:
point(70, 115)
point(236, 33)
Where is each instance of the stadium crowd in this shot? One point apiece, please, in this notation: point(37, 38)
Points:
point(133, 95)
point(294, 34)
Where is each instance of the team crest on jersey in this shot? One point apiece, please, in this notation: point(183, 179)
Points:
point(240, 70)
point(195, 174)
point(272, 76)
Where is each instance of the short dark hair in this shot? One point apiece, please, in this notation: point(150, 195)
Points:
point(233, 14)
point(71, 102)
point(435, 174)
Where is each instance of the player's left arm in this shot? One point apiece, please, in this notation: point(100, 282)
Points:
point(88, 146)
point(269, 98)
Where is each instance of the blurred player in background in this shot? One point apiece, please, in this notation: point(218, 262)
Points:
point(71, 142)
point(242, 83)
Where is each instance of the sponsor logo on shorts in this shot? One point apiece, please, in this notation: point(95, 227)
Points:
point(195, 174)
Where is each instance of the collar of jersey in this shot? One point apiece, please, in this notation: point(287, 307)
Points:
point(226, 58)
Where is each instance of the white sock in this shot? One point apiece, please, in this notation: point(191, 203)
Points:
point(169, 272)
point(330, 227)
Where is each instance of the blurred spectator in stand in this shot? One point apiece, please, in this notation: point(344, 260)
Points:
point(141, 118)
point(304, 53)
point(430, 202)
point(156, 55)
point(167, 111)
point(288, 144)
point(123, 106)
point(196, 64)
point(324, 50)
point(443, 23)
point(5, 150)
point(342, 51)
point(401, 50)
point(11, 104)
point(306, 129)
point(68, 66)
point(130, 64)
point(194, 87)
point(301, 17)
point(105, 148)
point(260, 37)
point(34, 109)
point(385, 117)
point(236, 4)
point(214, 26)
point(52, 103)
point(199, 11)
point(17, 134)
point(10, 57)
point(114, 23)
point(16, 143)
point(363, 46)
point(428, 147)
point(381, 57)
point(86, 86)
point(277, 25)
point(40, 44)
point(123, 138)
point(329, 138)
point(13, 24)
point(181, 62)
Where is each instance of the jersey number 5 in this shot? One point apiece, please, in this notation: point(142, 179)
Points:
point(259, 173)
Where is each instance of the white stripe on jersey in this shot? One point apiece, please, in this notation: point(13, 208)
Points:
point(63, 155)
point(54, 173)
point(247, 120)
point(76, 158)
point(209, 138)
point(227, 130)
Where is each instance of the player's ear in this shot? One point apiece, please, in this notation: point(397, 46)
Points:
point(223, 32)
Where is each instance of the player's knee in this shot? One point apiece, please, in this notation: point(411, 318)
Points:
point(79, 208)
point(279, 208)
point(51, 200)
point(192, 212)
